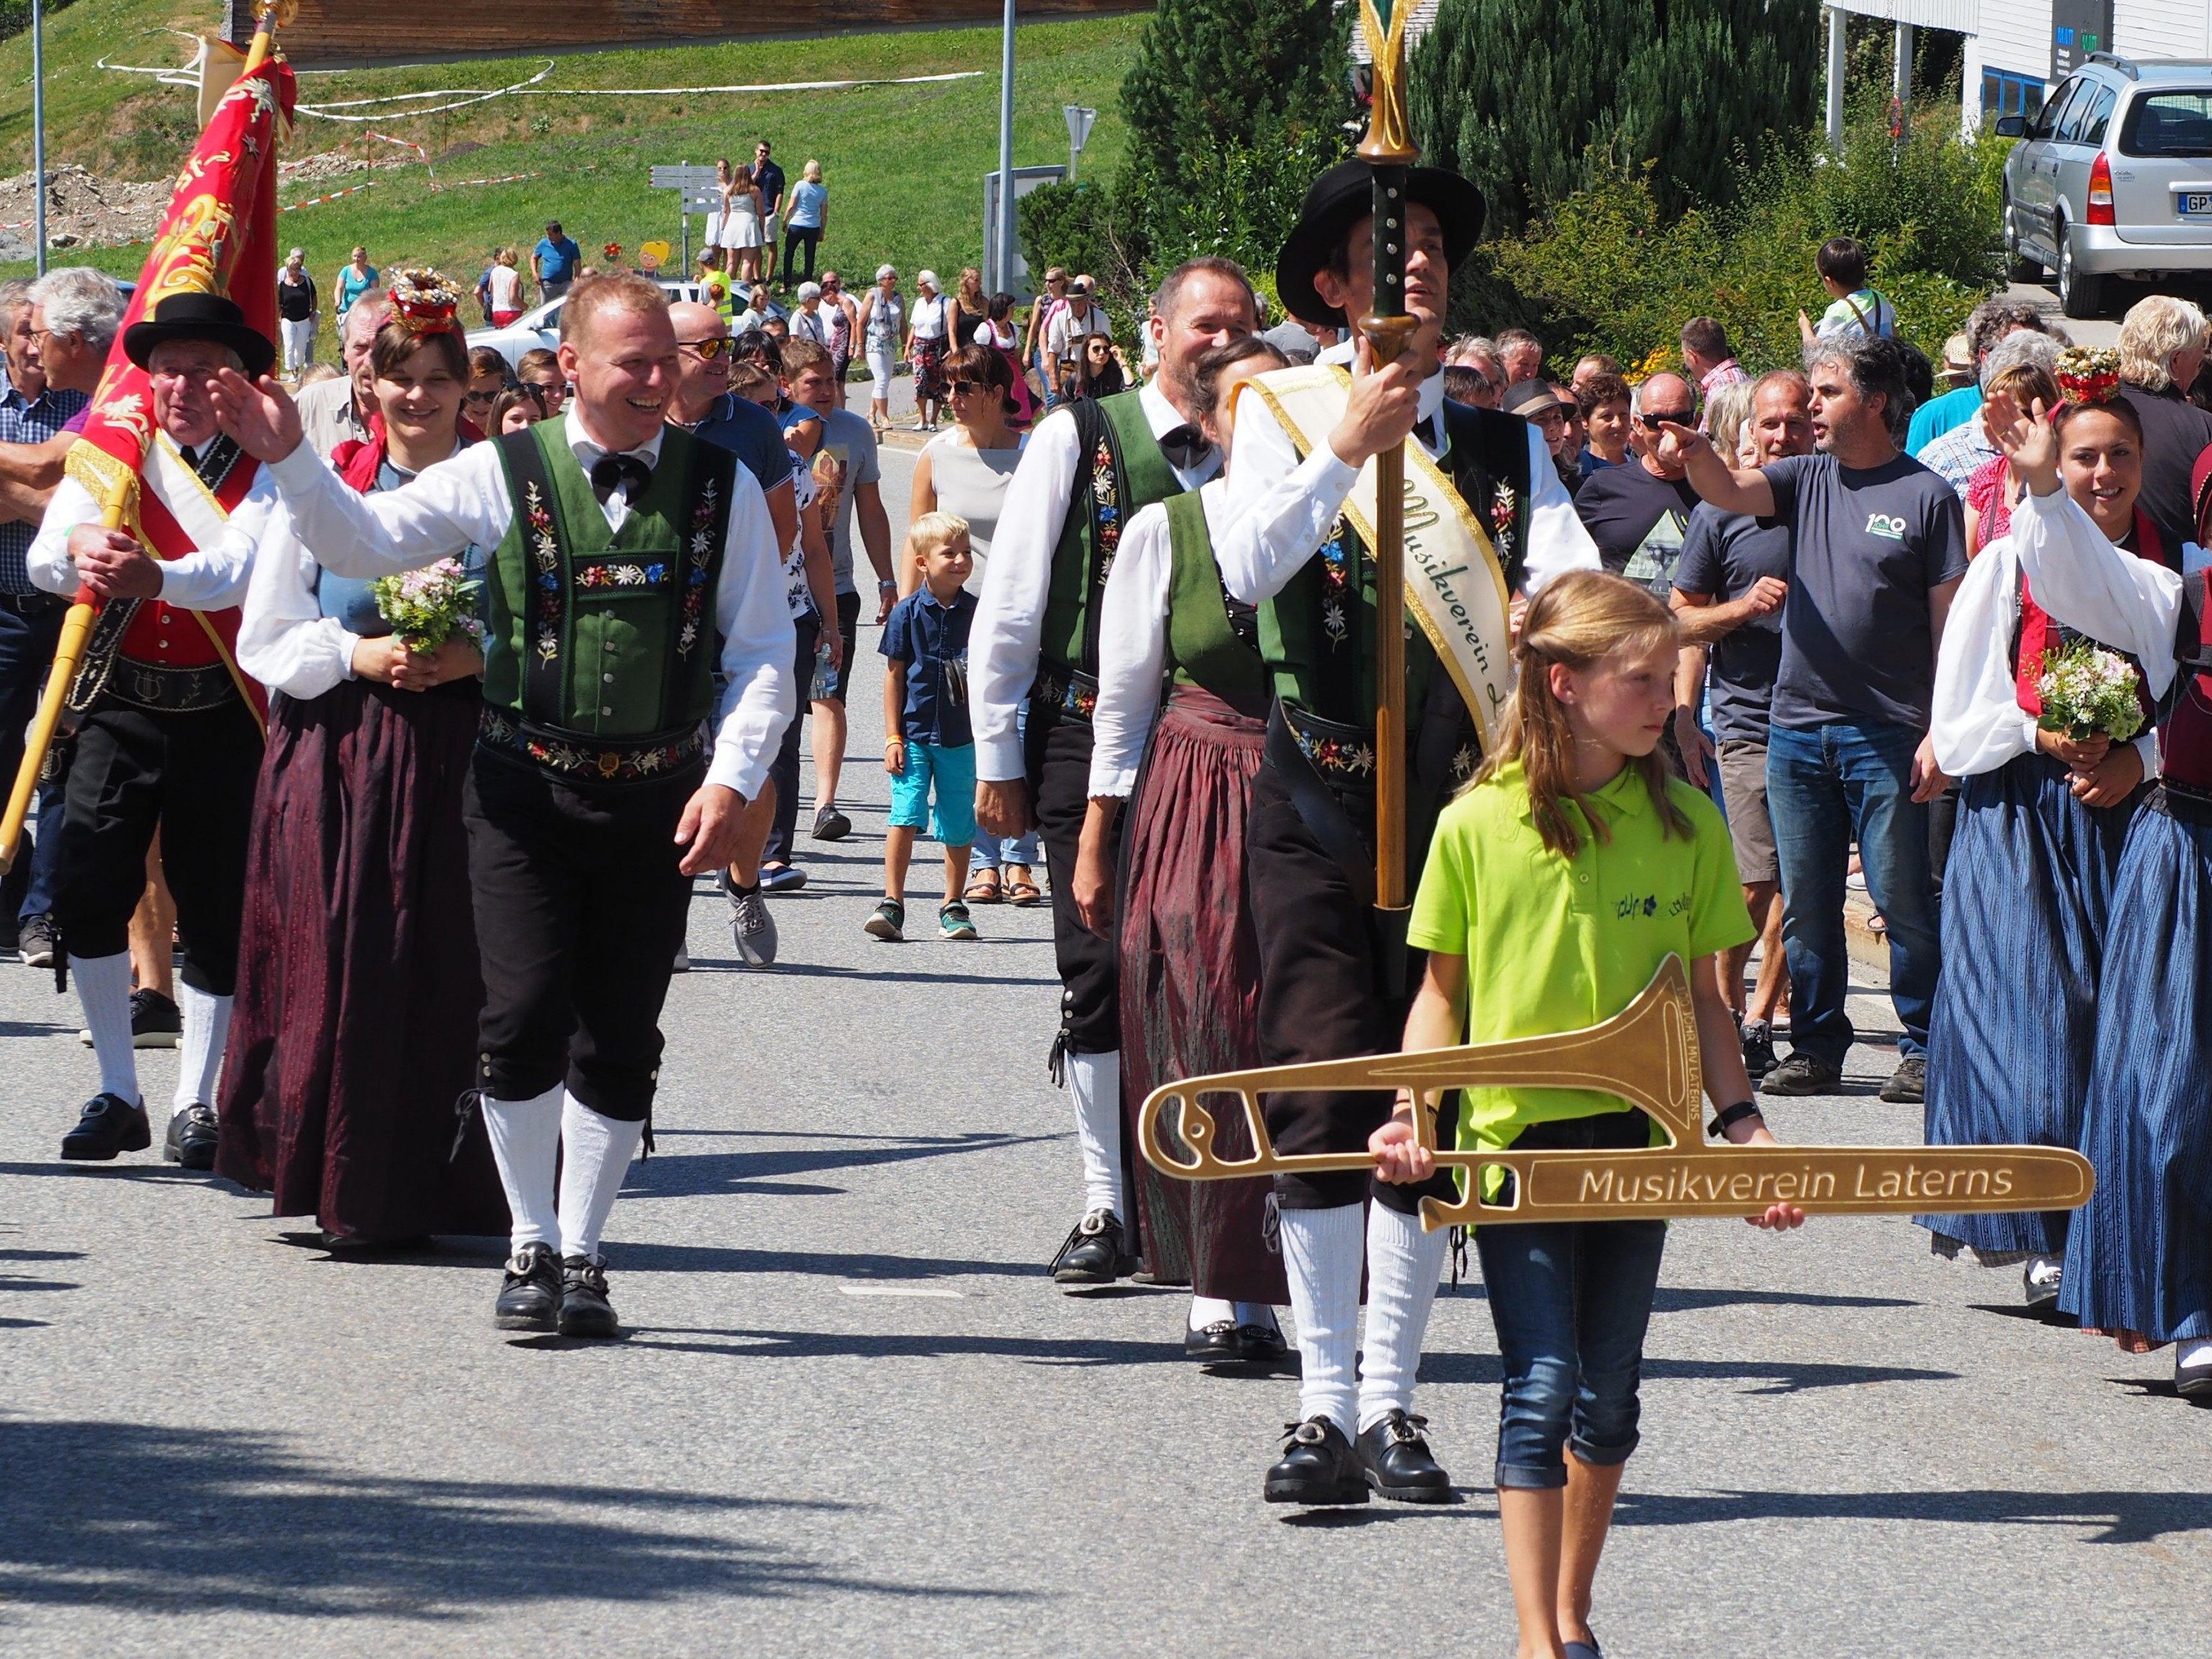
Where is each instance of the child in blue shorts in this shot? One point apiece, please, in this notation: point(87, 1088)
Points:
point(926, 740)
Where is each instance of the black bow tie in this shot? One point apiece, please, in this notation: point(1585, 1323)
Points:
point(624, 472)
point(1185, 446)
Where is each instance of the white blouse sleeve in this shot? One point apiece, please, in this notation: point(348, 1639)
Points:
point(2079, 577)
point(1132, 647)
point(1976, 720)
point(284, 641)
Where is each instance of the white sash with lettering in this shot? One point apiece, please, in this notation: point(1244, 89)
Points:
point(1455, 588)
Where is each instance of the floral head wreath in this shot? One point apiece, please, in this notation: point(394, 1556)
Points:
point(2087, 374)
point(424, 302)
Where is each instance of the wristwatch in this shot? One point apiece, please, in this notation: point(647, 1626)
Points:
point(1729, 1116)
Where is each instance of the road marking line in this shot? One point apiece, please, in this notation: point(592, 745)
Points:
point(898, 1290)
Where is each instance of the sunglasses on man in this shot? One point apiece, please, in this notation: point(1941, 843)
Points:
point(708, 350)
point(1658, 418)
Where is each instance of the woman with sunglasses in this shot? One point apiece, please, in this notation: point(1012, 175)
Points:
point(964, 472)
point(488, 378)
point(355, 1025)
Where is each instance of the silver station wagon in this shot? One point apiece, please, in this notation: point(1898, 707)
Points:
point(2112, 177)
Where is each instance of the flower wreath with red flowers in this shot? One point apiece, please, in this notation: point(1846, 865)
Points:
point(2087, 374)
point(424, 302)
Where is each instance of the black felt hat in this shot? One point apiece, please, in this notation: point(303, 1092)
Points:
point(1339, 199)
point(200, 317)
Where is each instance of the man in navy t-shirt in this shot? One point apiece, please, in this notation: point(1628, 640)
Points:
point(1877, 547)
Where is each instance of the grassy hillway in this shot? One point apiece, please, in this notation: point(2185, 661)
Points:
point(905, 164)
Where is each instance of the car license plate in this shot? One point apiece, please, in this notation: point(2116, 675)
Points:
point(2193, 203)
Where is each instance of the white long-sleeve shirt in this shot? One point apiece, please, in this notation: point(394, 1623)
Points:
point(211, 577)
point(465, 499)
point(1133, 636)
point(1975, 718)
point(1006, 639)
point(1281, 508)
point(284, 641)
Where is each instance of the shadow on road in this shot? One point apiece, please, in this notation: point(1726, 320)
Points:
point(1781, 1376)
point(871, 1345)
point(179, 1520)
point(2124, 1517)
point(695, 1175)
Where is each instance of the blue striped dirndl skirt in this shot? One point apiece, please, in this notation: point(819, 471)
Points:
point(2140, 1256)
point(2026, 896)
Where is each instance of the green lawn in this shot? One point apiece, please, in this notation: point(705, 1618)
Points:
point(905, 165)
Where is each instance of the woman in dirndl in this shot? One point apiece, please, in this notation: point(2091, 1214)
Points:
point(1189, 960)
point(2042, 820)
point(354, 1031)
point(2138, 1263)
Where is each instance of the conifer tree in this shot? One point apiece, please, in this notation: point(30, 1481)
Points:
point(1215, 76)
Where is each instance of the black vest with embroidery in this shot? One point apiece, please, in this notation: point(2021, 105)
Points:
point(1318, 633)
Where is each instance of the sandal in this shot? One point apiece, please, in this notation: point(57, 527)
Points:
point(983, 888)
point(1021, 890)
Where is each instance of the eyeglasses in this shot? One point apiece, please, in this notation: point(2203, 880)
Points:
point(708, 350)
point(1653, 421)
point(492, 396)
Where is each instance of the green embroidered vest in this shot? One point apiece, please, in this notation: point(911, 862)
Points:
point(1318, 633)
point(603, 633)
point(1118, 469)
point(1213, 638)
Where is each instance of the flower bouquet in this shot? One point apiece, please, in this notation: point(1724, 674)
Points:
point(428, 607)
point(2088, 691)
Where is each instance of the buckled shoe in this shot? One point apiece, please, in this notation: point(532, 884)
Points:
point(1096, 1253)
point(1396, 1461)
point(191, 1138)
point(529, 1296)
point(585, 1309)
point(1318, 1466)
point(108, 1125)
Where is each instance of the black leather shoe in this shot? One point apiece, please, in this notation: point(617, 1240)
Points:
point(1395, 1461)
point(1215, 1344)
point(110, 1124)
point(1261, 1345)
point(1318, 1466)
point(190, 1140)
point(530, 1297)
point(1094, 1254)
point(585, 1309)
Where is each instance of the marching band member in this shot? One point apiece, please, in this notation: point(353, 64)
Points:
point(358, 987)
point(1189, 962)
point(1086, 471)
point(2042, 822)
point(622, 549)
point(169, 733)
point(2139, 1256)
point(1333, 984)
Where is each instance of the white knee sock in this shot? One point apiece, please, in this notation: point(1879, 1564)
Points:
point(1095, 1082)
point(525, 1140)
point(595, 1151)
point(103, 986)
point(199, 1054)
point(1321, 1251)
point(1403, 1263)
point(1206, 1310)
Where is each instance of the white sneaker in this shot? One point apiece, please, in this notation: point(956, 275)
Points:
point(2192, 1369)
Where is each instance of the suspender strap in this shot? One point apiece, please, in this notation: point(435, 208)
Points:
point(546, 561)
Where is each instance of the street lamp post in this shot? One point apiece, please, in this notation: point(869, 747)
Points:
point(1003, 276)
point(39, 130)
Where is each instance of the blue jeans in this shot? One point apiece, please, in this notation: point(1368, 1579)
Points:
point(28, 630)
point(1826, 786)
point(1570, 1302)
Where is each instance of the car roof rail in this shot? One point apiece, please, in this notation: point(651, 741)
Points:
point(2125, 66)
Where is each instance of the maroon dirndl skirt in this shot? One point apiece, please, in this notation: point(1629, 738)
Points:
point(1190, 987)
point(354, 1031)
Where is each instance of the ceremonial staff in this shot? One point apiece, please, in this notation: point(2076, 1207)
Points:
point(1388, 150)
point(76, 626)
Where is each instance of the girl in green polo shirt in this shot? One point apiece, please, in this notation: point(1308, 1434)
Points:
point(1556, 885)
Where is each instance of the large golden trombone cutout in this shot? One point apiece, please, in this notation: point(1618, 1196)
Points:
point(1647, 1054)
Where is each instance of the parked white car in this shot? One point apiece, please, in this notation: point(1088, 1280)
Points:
point(542, 327)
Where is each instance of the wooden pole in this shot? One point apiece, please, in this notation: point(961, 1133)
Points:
point(1389, 151)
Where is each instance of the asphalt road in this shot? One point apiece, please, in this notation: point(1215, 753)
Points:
point(852, 1415)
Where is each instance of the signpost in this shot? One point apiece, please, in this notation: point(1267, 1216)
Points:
point(697, 193)
point(1002, 235)
point(1078, 132)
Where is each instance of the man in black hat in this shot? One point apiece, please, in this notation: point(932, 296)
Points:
point(1083, 473)
point(1334, 981)
point(167, 731)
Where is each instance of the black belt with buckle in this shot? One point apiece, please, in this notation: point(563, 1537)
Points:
point(37, 602)
point(1343, 755)
point(1067, 691)
point(578, 757)
point(168, 691)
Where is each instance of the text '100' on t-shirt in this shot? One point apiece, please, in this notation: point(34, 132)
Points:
point(1865, 546)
